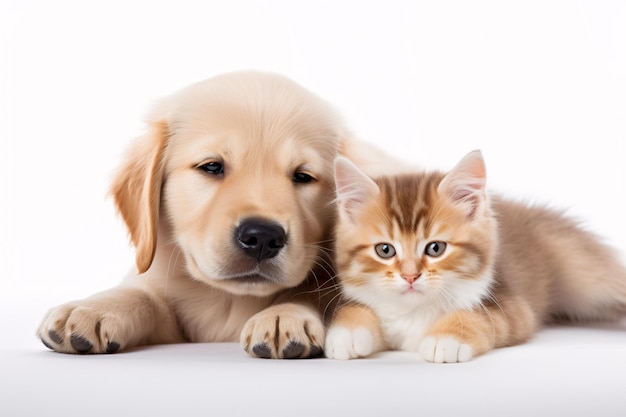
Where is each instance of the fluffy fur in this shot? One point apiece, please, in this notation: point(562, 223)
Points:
point(429, 263)
point(225, 163)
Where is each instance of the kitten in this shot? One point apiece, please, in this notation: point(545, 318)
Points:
point(430, 263)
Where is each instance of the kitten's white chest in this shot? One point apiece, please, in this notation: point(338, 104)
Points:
point(404, 330)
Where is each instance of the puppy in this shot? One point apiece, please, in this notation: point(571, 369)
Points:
point(228, 200)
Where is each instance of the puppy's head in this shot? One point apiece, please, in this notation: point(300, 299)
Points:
point(240, 167)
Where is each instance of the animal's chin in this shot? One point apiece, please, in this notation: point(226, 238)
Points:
point(251, 279)
point(251, 283)
point(256, 280)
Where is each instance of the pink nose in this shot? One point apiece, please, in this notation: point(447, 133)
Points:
point(410, 278)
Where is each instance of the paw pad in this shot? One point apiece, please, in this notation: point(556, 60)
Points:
point(112, 347)
point(262, 350)
point(54, 336)
point(316, 351)
point(293, 350)
point(81, 344)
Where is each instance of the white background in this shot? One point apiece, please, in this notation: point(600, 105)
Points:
point(539, 86)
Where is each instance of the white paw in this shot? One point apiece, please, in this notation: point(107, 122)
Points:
point(343, 343)
point(445, 350)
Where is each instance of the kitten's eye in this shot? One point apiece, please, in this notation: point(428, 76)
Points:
point(385, 250)
point(213, 168)
point(302, 177)
point(435, 249)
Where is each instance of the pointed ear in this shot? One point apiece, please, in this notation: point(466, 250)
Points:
point(136, 190)
point(465, 184)
point(354, 188)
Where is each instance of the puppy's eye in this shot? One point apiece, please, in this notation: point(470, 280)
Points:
point(302, 177)
point(213, 168)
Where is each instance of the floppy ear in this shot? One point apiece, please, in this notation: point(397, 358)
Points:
point(136, 190)
point(465, 184)
point(354, 188)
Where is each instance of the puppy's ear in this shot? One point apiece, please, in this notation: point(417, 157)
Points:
point(136, 190)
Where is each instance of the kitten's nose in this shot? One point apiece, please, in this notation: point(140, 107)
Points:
point(410, 278)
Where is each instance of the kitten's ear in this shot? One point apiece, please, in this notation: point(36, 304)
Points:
point(354, 188)
point(465, 184)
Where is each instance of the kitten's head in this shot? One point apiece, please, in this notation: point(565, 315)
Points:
point(415, 239)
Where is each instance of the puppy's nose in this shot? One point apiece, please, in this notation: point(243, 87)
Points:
point(260, 239)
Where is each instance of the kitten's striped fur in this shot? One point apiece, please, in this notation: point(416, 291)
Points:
point(506, 269)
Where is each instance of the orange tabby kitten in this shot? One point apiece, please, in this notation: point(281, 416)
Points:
point(430, 263)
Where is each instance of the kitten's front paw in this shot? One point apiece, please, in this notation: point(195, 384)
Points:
point(343, 343)
point(445, 350)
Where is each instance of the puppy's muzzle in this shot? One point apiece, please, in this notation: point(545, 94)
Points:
point(260, 239)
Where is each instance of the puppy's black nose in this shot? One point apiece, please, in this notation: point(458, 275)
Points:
point(260, 239)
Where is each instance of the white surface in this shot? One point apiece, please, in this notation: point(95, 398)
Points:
point(564, 371)
point(216, 379)
point(539, 86)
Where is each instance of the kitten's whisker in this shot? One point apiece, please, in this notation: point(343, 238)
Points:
point(330, 303)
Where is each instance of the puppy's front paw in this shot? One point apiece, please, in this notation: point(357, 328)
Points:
point(284, 331)
point(445, 349)
point(81, 328)
point(344, 343)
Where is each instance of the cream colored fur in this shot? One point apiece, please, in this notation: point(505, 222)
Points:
point(195, 283)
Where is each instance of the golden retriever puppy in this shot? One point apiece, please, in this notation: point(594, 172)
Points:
point(228, 199)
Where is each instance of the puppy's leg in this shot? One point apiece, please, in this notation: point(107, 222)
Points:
point(284, 331)
point(108, 322)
